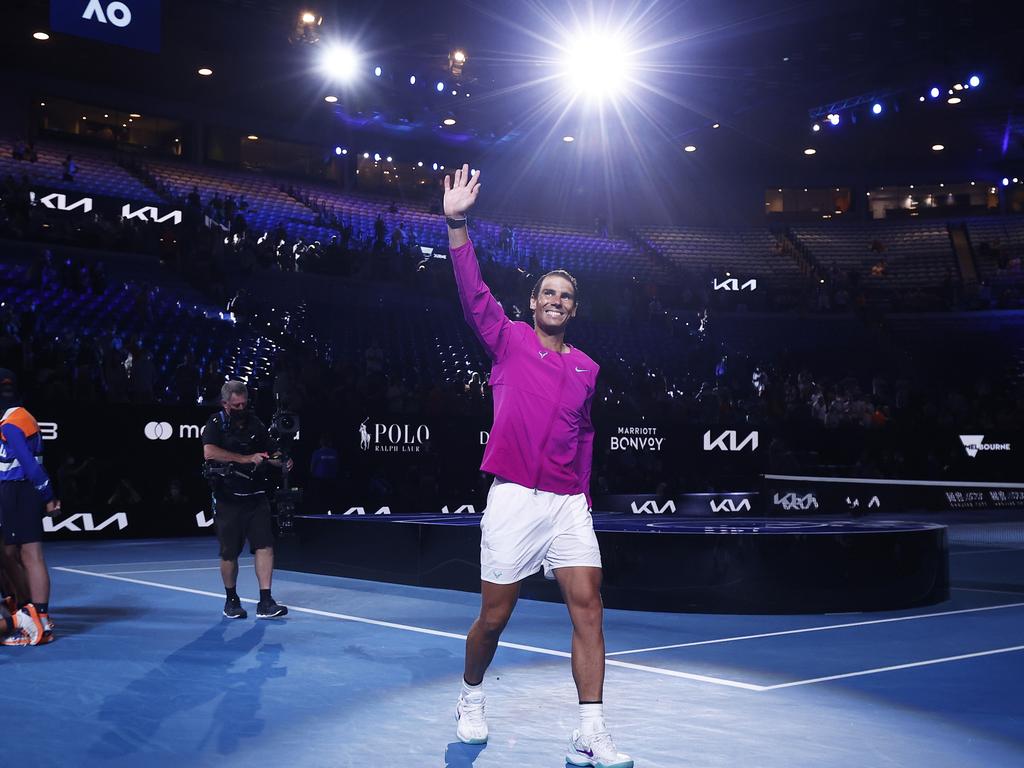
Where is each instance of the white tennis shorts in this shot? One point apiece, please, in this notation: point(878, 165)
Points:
point(523, 530)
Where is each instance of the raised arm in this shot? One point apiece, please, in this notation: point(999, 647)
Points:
point(482, 311)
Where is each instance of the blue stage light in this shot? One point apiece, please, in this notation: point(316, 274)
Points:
point(975, 81)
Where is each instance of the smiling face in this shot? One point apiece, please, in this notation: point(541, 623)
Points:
point(553, 304)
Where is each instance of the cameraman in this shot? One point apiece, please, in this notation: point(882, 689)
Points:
point(241, 509)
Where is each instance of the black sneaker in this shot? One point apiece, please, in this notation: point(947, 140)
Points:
point(233, 609)
point(269, 609)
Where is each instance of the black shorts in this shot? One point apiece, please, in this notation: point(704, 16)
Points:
point(238, 518)
point(21, 512)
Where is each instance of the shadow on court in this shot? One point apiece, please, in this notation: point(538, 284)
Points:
point(203, 671)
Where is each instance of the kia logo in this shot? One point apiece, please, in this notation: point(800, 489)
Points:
point(159, 430)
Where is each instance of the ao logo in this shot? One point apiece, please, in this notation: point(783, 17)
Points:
point(202, 520)
point(116, 13)
point(159, 430)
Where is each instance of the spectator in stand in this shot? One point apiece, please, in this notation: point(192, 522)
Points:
point(185, 381)
point(70, 168)
point(18, 150)
point(194, 200)
point(379, 229)
point(143, 375)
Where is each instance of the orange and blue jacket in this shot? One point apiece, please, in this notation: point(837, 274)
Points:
point(21, 451)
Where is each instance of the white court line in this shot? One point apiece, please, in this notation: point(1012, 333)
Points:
point(425, 631)
point(994, 591)
point(154, 562)
point(814, 629)
point(877, 670)
point(175, 570)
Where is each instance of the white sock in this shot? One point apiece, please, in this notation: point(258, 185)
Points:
point(472, 690)
point(591, 719)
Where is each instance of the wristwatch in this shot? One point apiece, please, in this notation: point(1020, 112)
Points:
point(455, 223)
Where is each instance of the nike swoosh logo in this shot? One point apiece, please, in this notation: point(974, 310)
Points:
point(582, 370)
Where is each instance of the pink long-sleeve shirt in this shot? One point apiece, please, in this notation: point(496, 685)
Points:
point(542, 436)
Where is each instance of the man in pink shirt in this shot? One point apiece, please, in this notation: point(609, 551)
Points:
point(538, 508)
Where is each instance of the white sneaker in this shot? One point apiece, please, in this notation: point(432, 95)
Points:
point(469, 715)
point(597, 750)
point(28, 629)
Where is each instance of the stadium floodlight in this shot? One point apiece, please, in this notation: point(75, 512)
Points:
point(953, 100)
point(388, 158)
point(204, 71)
point(440, 87)
point(412, 79)
point(816, 127)
point(833, 118)
point(331, 99)
point(435, 166)
point(876, 109)
point(449, 121)
point(337, 150)
point(596, 65)
point(377, 71)
point(689, 148)
point(456, 61)
point(810, 151)
point(376, 157)
point(40, 36)
point(308, 17)
point(568, 139)
point(938, 147)
point(974, 81)
point(339, 62)
point(934, 92)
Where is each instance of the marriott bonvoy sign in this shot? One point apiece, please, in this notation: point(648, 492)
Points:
point(637, 439)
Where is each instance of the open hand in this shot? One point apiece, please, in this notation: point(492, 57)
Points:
point(460, 195)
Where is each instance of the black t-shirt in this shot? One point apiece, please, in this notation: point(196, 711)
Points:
point(245, 438)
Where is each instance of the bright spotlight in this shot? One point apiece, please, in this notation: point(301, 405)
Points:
point(816, 127)
point(833, 118)
point(440, 87)
point(953, 100)
point(975, 81)
point(434, 166)
point(934, 93)
point(204, 71)
point(460, 56)
point(689, 148)
point(1006, 182)
point(366, 155)
point(388, 158)
point(340, 62)
point(40, 36)
point(810, 151)
point(596, 65)
point(252, 137)
point(308, 18)
point(337, 151)
point(330, 99)
point(376, 157)
point(938, 147)
point(419, 164)
point(412, 79)
point(377, 71)
point(449, 121)
point(716, 125)
point(568, 139)
point(876, 109)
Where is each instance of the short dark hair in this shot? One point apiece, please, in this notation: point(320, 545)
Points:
point(556, 273)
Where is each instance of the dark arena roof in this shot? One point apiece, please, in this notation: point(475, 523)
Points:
point(757, 70)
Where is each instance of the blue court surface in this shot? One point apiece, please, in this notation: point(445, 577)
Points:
point(145, 672)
